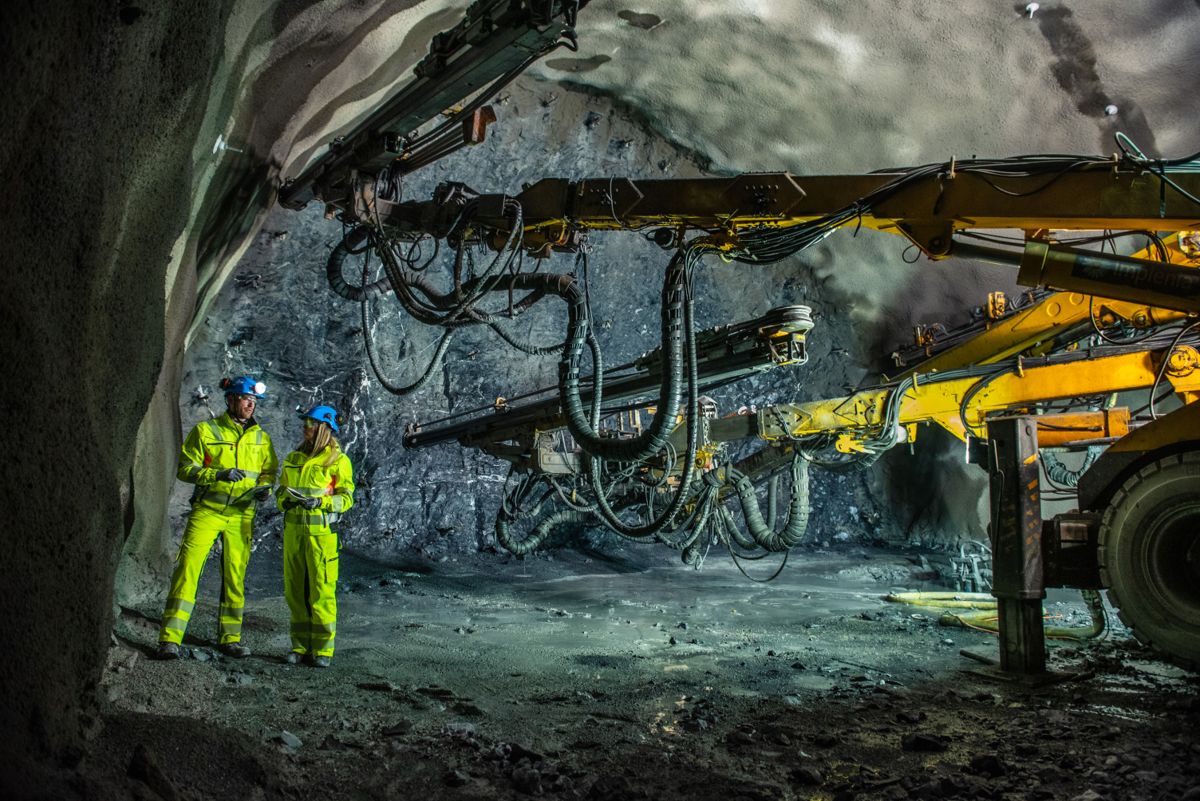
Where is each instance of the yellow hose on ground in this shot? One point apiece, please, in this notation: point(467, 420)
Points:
point(944, 600)
point(984, 617)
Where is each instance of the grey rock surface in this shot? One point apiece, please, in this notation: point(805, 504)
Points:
point(277, 319)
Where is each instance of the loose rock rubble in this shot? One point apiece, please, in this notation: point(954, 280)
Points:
point(806, 689)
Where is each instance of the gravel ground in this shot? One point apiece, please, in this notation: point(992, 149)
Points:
point(590, 676)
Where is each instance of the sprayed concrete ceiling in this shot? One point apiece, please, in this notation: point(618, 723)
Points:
point(829, 86)
point(815, 86)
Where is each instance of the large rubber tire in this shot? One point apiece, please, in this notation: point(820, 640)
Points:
point(1150, 555)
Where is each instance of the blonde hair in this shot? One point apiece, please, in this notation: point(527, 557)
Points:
point(321, 440)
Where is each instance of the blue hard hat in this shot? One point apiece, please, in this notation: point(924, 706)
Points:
point(244, 385)
point(323, 414)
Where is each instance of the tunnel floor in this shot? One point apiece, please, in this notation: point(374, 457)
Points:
point(586, 677)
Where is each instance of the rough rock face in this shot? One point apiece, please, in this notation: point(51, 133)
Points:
point(806, 88)
point(277, 319)
point(99, 185)
point(123, 219)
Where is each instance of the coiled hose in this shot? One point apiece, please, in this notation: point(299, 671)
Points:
point(351, 246)
point(523, 545)
point(762, 534)
point(655, 436)
point(1059, 473)
point(673, 370)
point(452, 309)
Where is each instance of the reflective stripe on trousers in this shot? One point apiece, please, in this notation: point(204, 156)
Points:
point(300, 517)
point(203, 527)
point(310, 573)
point(175, 618)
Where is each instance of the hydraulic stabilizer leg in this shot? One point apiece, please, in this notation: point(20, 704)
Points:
point(1016, 534)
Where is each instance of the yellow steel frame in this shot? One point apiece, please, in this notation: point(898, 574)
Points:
point(861, 414)
point(1032, 331)
point(926, 211)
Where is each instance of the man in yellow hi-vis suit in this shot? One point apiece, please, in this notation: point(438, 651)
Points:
point(316, 487)
point(233, 465)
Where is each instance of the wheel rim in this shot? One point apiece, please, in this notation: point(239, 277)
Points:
point(1173, 560)
point(1150, 555)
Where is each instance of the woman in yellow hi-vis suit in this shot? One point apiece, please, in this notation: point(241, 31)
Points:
point(316, 487)
point(232, 463)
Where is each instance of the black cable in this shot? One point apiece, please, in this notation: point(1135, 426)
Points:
point(970, 394)
point(737, 560)
point(771, 244)
point(1157, 167)
point(1135, 337)
point(1162, 368)
point(395, 389)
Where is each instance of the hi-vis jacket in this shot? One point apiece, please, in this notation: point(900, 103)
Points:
point(309, 476)
point(215, 445)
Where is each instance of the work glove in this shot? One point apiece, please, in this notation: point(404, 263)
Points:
point(310, 503)
point(262, 493)
point(288, 504)
point(231, 474)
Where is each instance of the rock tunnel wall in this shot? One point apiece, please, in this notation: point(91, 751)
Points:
point(98, 194)
point(122, 221)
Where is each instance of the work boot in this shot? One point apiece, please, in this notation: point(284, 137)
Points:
point(167, 650)
point(294, 658)
point(235, 649)
point(320, 661)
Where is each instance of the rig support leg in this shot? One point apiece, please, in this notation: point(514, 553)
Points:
point(1016, 534)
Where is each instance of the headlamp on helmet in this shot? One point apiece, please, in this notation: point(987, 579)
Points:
point(243, 385)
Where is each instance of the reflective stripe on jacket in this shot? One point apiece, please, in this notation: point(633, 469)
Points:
point(220, 444)
point(308, 476)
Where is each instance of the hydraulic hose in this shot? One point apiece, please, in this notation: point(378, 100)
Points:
point(1061, 474)
point(692, 417)
point(944, 600)
point(523, 545)
point(734, 531)
point(983, 614)
point(333, 270)
point(369, 343)
point(772, 500)
point(686, 532)
point(796, 526)
point(396, 279)
point(655, 436)
point(455, 308)
point(456, 305)
point(695, 527)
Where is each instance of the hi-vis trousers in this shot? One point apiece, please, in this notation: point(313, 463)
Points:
point(310, 573)
point(203, 527)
